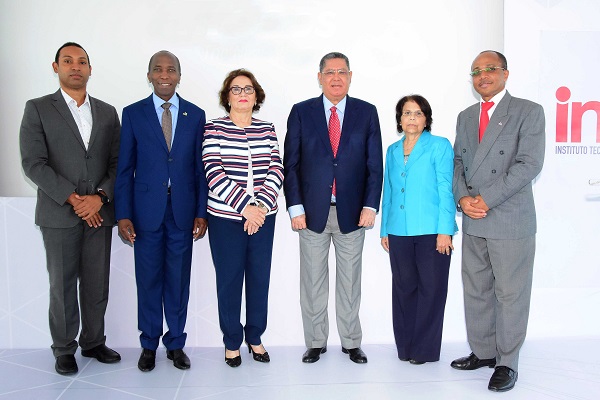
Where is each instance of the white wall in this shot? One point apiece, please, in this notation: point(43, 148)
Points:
point(395, 48)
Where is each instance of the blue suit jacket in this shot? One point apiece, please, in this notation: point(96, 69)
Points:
point(145, 167)
point(417, 197)
point(309, 165)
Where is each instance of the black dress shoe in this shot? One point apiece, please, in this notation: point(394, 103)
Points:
point(66, 364)
point(503, 379)
point(233, 362)
point(313, 355)
point(472, 362)
point(102, 354)
point(147, 360)
point(404, 359)
point(260, 357)
point(180, 359)
point(416, 362)
point(356, 355)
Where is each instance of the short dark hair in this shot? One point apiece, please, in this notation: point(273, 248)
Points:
point(224, 92)
point(69, 44)
point(423, 105)
point(168, 53)
point(500, 56)
point(331, 56)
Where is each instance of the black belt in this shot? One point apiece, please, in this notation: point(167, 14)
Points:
point(332, 204)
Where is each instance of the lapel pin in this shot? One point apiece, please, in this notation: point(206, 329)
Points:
point(185, 114)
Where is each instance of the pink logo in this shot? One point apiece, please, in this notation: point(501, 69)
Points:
point(576, 110)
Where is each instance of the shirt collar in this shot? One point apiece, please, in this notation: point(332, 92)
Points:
point(341, 106)
point(69, 99)
point(498, 97)
point(158, 102)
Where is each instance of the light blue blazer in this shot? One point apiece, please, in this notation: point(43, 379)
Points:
point(417, 197)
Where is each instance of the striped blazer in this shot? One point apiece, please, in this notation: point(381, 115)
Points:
point(225, 156)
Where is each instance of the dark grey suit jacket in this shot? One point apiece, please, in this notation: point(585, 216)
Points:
point(55, 159)
point(501, 167)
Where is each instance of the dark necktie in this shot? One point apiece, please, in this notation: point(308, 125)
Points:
point(484, 117)
point(167, 124)
point(335, 133)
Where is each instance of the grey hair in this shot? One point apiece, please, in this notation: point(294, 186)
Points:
point(331, 56)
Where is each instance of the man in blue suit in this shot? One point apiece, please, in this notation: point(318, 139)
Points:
point(333, 167)
point(160, 200)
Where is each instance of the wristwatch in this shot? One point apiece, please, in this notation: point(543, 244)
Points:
point(103, 196)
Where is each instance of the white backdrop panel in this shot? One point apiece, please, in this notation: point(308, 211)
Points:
point(395, 48)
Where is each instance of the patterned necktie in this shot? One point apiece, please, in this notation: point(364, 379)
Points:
point(484, 117)
point(167, 124)
point(335, 133)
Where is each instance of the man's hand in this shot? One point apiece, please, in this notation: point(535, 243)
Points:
point(471, 207)
point(367, 218)
point(200, 225)
point(94, 221)
point(126, 230)
point(87, 206)
point(299, 222)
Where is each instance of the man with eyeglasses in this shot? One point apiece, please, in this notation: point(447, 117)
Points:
point(499, 150)
point(333, 168)
point(160, 201)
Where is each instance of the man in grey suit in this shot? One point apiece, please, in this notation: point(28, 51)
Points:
point(493, 171)
point(69, 148)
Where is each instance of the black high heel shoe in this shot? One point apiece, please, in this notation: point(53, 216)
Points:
point(260, 357)
point(233, 362)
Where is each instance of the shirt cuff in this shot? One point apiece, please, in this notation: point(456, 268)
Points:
point(296, 210)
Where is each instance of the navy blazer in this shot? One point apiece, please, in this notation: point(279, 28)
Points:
point(310, 167)
point(145, 167)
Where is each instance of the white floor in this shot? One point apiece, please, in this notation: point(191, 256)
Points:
point(560, 368)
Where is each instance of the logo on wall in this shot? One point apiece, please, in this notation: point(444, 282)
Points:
point(569, 124)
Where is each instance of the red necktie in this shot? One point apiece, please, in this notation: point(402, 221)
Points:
point(484, 118)
point(335, 133)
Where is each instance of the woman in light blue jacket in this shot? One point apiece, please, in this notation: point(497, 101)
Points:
point(417, 225)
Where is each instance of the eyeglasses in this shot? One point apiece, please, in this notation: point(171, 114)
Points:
point(417, 114)
point(477, 72)
point(331, 72)
point(238, 90)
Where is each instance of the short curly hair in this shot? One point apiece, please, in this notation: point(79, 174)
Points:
point(224, 92)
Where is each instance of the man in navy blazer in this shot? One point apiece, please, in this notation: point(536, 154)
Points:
point(160, 201)
point(332, 192)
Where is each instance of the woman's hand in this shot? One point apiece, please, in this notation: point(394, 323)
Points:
point(385, 243)
point(255, 218)
point(444, 244)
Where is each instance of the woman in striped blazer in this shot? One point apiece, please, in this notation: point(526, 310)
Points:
point(244, 174)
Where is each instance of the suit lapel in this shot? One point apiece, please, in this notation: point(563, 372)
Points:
point(96, 112)
point(63, 109)
point(398, 154)
point(493, 130)
point(182, 123)
point(320, 122)
point(154, 122)
point(418, 150)
point(350, 116)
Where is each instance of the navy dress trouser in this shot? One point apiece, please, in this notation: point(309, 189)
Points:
point(419, 289)
point(163, 262)
point(237, 255)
